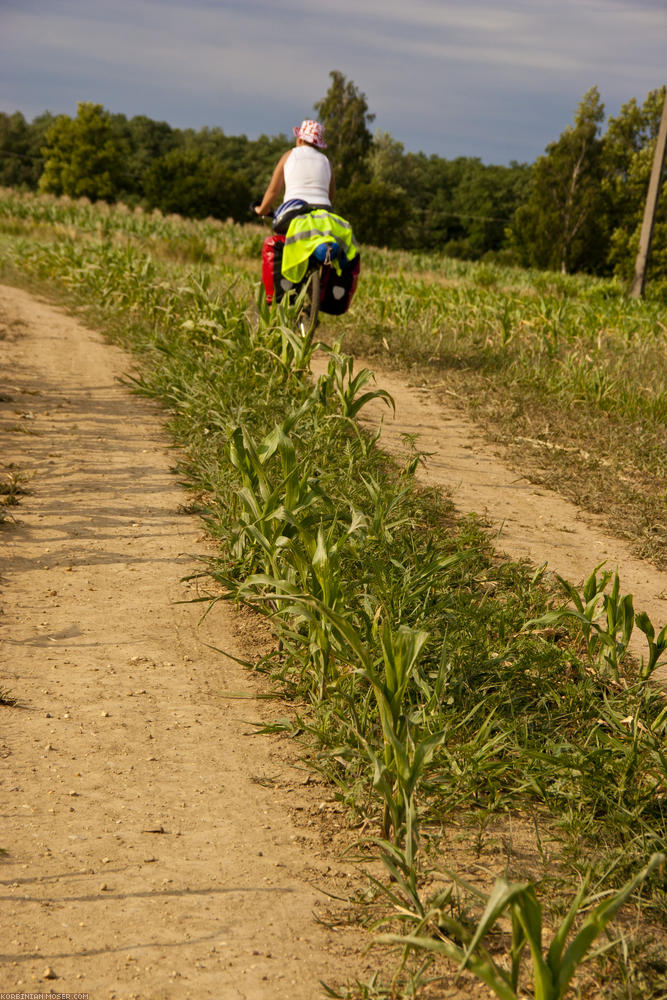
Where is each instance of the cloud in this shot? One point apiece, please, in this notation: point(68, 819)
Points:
point(480, 78)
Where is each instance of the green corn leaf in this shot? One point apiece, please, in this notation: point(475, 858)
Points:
point(628, 618)
point(401, 650)
point(528, 911)
point(593, 587)
point(353, 408)
point(400, 748)
point(501, 897)
point(482, 966)
point(517, 949)
point(596, 922)
point(422, 758)
point(644, 623)
point(560, 937)
point(571, 592)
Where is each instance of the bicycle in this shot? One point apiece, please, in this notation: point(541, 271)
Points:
point(327, 285)
point(322, 257)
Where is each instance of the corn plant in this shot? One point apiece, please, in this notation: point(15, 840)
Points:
point(308, 596)
point(620, 619)
point(553, 969)
point(339, 549)
point(270, 510)
point(346, 386)
point(656, 646)
point(389, 514)
point(294, 349)
point(606, 642)
point(11, 488)
point(404, 758)
point(586, 605)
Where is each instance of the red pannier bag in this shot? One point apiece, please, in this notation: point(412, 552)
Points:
point(275, 285)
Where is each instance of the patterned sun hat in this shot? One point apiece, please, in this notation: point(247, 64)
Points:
point(312, 132)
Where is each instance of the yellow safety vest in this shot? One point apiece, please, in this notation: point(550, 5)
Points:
point(306, 232)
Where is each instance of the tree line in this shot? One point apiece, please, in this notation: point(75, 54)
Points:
point(577, 208)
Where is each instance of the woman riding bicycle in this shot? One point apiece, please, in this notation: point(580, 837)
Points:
point(310, 243)
point(306, 175)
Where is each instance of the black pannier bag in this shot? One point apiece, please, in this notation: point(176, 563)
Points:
point(338, 289)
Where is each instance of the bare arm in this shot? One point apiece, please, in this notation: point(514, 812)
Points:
point(276, 184)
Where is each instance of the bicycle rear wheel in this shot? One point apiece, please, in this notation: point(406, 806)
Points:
point(311, 304)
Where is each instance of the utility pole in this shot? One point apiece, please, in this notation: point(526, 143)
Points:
point(651, 208)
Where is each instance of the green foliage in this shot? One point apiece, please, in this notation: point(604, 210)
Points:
point(192, 183)
point(146, 142)
point(559, 226)
point(21, 161)
point(579, 207)
point(606, 620)
point(629, 146)
point(344, 113)
point(253, 160)
point(553, 969)
point(82, 157)
point(381, 214)
point(386, 161)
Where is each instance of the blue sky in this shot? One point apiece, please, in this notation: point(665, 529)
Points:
point(498, 80)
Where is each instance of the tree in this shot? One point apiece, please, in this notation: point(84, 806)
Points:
point(562, 224)
point(254, 160)
point(380, 214)
point(431, 182)
point(21, 162)
point(386, 160)
point(628, 156)
point(344, 114)
point(15, 166)
point(82, 155)
point(191, 183)
point(483, 202)
point(145, 140)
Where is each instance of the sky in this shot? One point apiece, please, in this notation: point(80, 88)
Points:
point(495, 80)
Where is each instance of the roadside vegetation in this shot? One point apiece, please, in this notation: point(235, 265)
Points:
point(499, 755)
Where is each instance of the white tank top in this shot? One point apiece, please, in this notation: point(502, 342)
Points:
point(307, 176)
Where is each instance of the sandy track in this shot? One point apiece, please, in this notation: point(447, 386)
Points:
point(156, 848)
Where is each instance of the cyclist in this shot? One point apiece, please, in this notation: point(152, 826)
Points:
point(306, 175)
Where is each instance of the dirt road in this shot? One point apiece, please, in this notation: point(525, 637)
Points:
point(156, 847)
